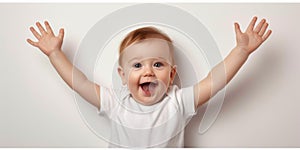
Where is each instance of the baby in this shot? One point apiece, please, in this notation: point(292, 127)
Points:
point(149, 111)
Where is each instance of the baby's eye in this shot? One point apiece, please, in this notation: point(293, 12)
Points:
point(158, 64)
point(137, 65)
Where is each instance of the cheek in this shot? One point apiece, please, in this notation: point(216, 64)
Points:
point(164, 76)
point(133, 78)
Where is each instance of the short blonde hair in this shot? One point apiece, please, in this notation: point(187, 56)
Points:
point(141, 34)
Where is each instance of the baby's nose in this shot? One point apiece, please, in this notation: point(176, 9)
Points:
point(148, 71)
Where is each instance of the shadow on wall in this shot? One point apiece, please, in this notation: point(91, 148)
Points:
point(256, 79)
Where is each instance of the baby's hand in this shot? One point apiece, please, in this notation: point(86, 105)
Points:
point(253, 37)
point(47, 41)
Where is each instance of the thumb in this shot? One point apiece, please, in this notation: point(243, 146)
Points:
point(61, 33)
point(237, 29)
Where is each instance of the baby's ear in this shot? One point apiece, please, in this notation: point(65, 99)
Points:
point(122, 75)
point(173, 73)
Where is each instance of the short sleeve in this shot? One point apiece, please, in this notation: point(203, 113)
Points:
point(106, 100)
point(187, 100)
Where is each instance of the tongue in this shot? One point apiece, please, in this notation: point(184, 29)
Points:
point(145, 87)
point(148, 88)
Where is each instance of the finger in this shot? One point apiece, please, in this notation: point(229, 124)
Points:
point(35, 33)
point(263, 29)
point(42, 30)
point(237, 29)
point(61, 34)
point(35, 44)
point(266, 36)
point(252, 23)
point(48, 28)
point(259, 26)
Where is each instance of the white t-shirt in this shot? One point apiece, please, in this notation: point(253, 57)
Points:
point(137, 125)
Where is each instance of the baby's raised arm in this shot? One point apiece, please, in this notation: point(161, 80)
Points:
point(50, 45)
point(246, 43)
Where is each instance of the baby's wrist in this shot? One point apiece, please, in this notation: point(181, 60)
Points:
point(242, 51)
point(53, 53)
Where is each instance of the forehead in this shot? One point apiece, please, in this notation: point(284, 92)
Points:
point(148, 48)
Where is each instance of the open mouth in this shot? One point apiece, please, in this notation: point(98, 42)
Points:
point(148, 87)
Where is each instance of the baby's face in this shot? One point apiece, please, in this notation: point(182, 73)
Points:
point(147, 70)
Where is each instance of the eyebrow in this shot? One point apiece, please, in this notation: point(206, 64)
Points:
point(151, 57)
point(162, 58)
point(134, 58)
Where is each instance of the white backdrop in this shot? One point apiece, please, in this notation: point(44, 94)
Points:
point(261, 107)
